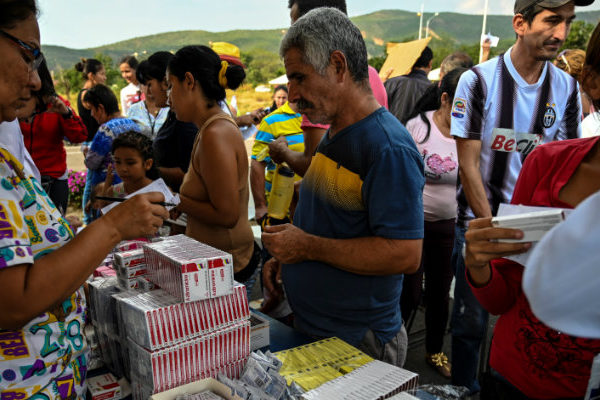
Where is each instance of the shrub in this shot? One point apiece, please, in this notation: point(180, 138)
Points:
point(76, 185)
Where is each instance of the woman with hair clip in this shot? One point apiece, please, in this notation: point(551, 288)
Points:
point(429, 126)
point(43, 266)
point(214, 192)
point(46, 120)
point(571, 61)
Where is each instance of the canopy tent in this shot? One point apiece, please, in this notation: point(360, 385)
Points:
point(401, 57)
point(282, 80)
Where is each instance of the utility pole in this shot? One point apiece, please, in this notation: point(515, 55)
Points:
point(483, 29)
point(421, 20)
point(427, 25)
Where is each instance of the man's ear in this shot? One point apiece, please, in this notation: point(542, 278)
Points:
point(102, 109)
point(340, 64)
point(519, 24)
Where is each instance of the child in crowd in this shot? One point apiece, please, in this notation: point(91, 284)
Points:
point(105, 109)
point(134, 164)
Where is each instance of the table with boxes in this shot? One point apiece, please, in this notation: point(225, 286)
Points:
point(173, 316)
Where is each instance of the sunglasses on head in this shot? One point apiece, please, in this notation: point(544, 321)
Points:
point(35, 53)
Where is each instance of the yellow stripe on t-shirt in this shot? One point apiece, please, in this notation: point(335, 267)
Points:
point(334, 183)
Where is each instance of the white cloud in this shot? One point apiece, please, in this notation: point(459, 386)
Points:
point(494, 7)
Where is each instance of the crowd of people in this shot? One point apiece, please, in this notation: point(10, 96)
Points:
point(396, 184)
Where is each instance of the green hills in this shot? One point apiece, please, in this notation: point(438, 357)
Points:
point(378, 28)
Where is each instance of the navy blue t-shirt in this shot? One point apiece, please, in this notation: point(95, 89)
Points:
point(365, 181)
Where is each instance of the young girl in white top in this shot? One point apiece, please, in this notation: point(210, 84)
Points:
point(131, 93)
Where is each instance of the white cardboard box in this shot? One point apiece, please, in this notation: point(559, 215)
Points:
point(196, 387)
point(259, 332)
point(104, 387)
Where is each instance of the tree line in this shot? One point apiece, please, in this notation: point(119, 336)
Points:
point(263, 65)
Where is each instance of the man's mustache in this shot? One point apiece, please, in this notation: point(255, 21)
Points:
point(304, 104)
point(552, 42)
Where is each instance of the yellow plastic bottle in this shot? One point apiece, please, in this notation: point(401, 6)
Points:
point(282, 191)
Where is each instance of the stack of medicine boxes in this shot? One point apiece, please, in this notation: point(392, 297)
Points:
point(195, 326)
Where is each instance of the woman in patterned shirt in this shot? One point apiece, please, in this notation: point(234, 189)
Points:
point(42, 265)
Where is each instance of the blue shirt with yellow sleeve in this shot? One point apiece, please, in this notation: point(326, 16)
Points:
point(282, 122)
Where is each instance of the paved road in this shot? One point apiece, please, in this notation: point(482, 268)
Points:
point(75, 157)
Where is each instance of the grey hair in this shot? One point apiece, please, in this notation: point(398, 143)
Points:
point(321, 32)
point(458, 59)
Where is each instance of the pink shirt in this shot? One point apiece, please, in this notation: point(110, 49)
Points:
point(378, 91)
point(441, 168)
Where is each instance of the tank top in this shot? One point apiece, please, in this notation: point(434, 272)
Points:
point(239, 240)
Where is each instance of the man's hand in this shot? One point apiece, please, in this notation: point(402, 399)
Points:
point(272, 289)
point(286, 243)
point(278, 149)
point(271, 274)
point(252, 118)
point(486, 46)
point(482, 246)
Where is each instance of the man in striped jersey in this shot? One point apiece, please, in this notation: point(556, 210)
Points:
point(502, 110)
point(283, 122)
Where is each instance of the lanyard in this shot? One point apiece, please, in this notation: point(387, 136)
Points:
point(150, 120)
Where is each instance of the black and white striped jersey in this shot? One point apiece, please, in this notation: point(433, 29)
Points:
point(510, 117)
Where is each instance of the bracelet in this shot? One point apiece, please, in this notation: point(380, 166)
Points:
point(464, 251)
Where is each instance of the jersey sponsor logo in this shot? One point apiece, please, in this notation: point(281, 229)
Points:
point(507, 140)
point(459, 108)
point(549, 116)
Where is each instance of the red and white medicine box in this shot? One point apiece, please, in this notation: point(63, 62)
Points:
point(156, 319)
point(104, 387)
point(189, 270)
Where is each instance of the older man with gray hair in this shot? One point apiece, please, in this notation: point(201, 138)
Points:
point(359, 222)
point(458, 59)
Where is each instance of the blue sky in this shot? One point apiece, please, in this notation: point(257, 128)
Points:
point(85, 23)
